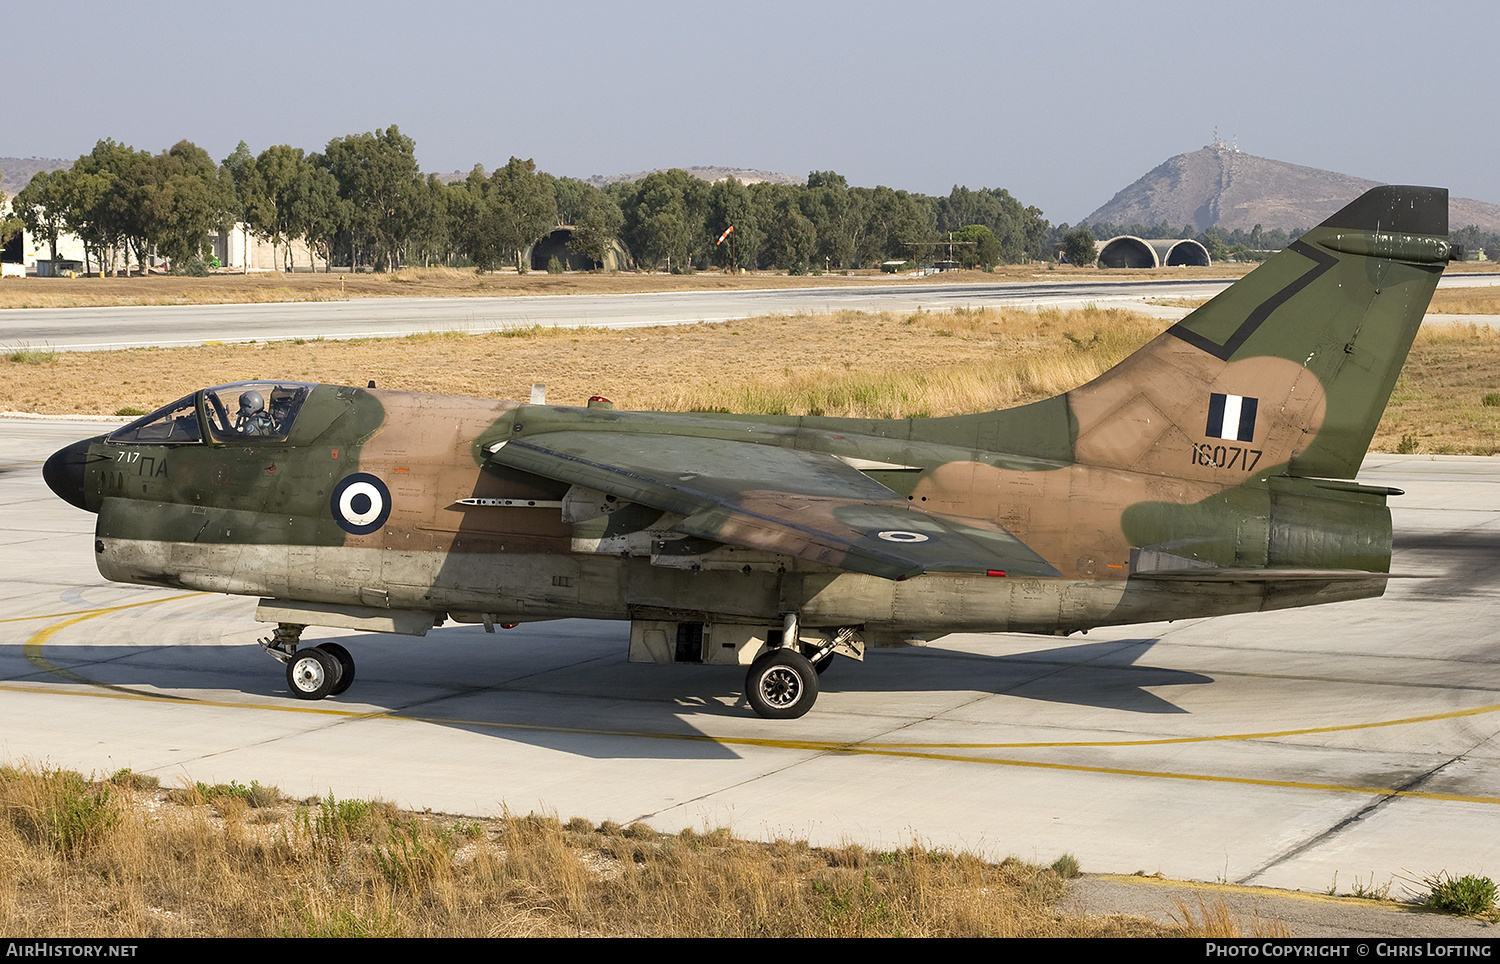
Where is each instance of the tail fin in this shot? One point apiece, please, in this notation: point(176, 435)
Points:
point(1290, 367)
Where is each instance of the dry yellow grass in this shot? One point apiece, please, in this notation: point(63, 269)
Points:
point(202, 862)
point(1445, 301)
point(1216, 919)
point(1439, 403)
point(843, 363)
point(1465, 301)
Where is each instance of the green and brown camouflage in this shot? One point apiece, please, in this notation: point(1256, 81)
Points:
point(1206, 474)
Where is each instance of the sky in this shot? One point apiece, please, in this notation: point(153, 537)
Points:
point(1062, 104)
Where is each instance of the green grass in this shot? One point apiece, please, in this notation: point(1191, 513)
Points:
point(1469, 895)
point(26, 355)
point(58, 808)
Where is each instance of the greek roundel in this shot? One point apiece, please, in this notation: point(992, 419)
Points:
point(1231, 417)
point(361, 503)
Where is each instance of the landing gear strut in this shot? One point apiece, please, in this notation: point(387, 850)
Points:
point(314, 672)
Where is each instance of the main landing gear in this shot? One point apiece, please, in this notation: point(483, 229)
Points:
point(314, 672)
point(782, 684)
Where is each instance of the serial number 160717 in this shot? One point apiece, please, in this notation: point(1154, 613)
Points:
point(1226, 456)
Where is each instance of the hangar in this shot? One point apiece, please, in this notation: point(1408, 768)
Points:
point(1129, 251)
point(555, 245)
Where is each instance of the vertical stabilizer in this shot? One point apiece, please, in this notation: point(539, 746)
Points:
point(1289, 367)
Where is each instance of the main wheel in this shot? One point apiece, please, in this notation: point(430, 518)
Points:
point(781, 685)
point(311, 674)
point(346, 666)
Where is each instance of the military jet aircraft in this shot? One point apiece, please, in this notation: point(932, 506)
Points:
point(1208, 473)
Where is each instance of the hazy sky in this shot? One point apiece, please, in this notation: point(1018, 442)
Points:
point(1061, 103)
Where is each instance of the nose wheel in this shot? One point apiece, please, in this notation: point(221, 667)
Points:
point(315, 671)
point(312, 674)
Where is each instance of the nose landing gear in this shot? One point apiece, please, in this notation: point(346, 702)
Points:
point(314, 672)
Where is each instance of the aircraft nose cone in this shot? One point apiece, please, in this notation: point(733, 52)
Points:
point(63, 472)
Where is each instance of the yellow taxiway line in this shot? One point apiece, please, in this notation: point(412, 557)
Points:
point(920, 751)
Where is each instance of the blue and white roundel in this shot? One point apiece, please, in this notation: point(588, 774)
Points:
point(361, 503)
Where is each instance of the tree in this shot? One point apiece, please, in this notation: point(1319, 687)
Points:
point(42, 206)
point(279, 190)
point(190, 198)
point(104, 203)
point(1214, 242)
point(838, 216)
point(499, 216)
point(320, 214)
point(730, 204)
point(791, 240)
point(1021, 232)
point(893, 219)
point(664, 219)
point(1079, 247)
point(523, 207)
point(597, 221)
point(574, 198)
point(10, 223)
point(377, 175)
point(241, 168)
point(981, 249)
point(433, 240)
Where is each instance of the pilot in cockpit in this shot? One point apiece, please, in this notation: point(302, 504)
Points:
point(253, 419)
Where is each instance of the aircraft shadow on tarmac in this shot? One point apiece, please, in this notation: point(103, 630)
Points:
point(1469, 561)
point(555, 687)
point(1104, 675)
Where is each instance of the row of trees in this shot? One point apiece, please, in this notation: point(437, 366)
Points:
point(131, 203)
point(363, 201)
point(671, 217)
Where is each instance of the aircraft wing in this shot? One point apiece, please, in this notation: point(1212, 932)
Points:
point(809, 505)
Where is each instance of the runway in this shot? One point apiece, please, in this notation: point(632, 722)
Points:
point(84, 329)
point(1280, 749)
point(92, 329)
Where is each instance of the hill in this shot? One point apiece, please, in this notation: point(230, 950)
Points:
point(742, 174)
point(1217, 187)
point(18, 171)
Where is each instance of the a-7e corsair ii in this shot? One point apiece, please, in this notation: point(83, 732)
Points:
point(1205, 474)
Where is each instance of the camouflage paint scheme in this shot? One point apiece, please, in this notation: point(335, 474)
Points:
point(1198, 477)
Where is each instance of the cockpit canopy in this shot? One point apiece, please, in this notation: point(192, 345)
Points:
point(263, 411)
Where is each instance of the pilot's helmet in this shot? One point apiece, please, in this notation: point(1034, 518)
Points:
point(251, 403)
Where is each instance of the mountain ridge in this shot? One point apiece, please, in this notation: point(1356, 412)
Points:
point(1220, 187)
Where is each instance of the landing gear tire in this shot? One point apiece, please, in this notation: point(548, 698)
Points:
point(346, 666)
point(781, 685)
point(312, 674)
